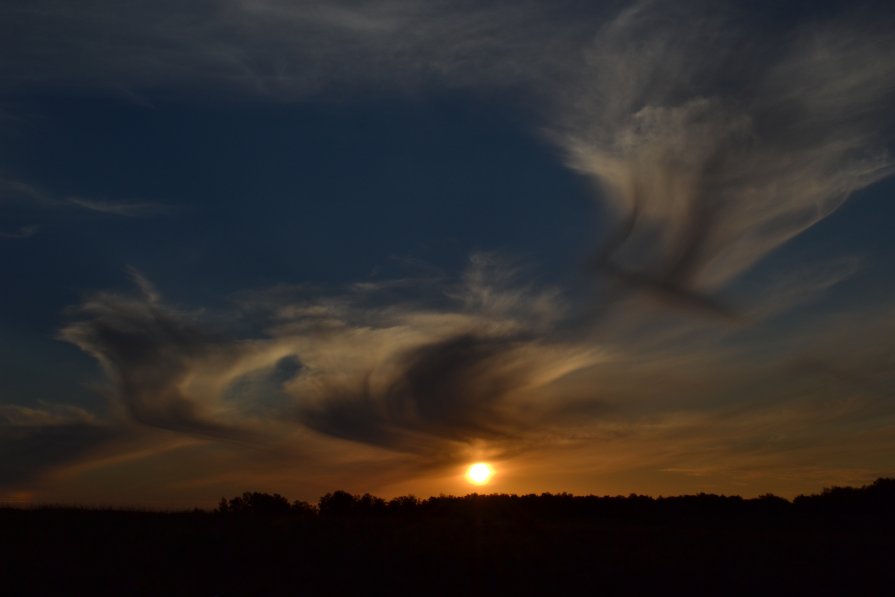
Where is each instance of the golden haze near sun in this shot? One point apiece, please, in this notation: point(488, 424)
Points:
point(479, 473)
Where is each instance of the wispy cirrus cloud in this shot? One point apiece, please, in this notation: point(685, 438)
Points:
point(148, 351)
point(13, 190)
point(18, 193)
point(712, 136)
point(710, 149)
point(23, 232)
point(127, 209)
point(287, 49)
point(431, 388)
point(410, 378)
point(335, 377)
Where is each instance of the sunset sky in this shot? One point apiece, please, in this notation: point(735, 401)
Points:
point(296, 246)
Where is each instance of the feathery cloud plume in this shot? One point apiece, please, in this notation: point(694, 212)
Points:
point(148, 351)
point(713, 151)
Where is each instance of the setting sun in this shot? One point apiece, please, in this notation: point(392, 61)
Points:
point(479, 473)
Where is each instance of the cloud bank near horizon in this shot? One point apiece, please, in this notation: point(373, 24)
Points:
point(425, 390)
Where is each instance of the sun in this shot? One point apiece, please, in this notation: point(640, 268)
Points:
point(479, 473)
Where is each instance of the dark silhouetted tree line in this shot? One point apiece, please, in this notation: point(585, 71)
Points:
point(872, 503)
point(264, 504)
point(837, 542)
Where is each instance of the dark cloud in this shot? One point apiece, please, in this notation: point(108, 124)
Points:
point(449, 390)
point(433, 382)
point(412, 379)
point(147, 350)
point(29, 452)
point(35, 441)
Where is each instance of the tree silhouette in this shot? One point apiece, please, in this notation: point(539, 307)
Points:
point(338, 503)
point(256, 503)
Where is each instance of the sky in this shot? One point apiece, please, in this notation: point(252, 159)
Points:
point(294, 246)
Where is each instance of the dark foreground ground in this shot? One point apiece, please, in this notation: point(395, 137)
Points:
point(841, 542)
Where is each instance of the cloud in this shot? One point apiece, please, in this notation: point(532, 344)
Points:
point(709, 148)
point(128, 209)
point(435, 398)
point(23, 232)
point(713, 151)
point(712, 135)
point(406, 377)
point(46, 416)
point(275, 47)
point(806, 404)
point(432, 381)
point(402, 389)
point(148, 351)
point(35, 440)
point(12, 190)
point(781, 294)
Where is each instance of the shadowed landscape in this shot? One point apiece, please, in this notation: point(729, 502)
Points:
point(835, 542)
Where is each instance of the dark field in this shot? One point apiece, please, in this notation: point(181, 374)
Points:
point(839, 542)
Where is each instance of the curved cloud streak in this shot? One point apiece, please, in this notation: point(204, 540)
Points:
point(410, 378)
point(714, 149)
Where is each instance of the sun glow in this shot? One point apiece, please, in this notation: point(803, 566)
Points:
point(479, 473)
